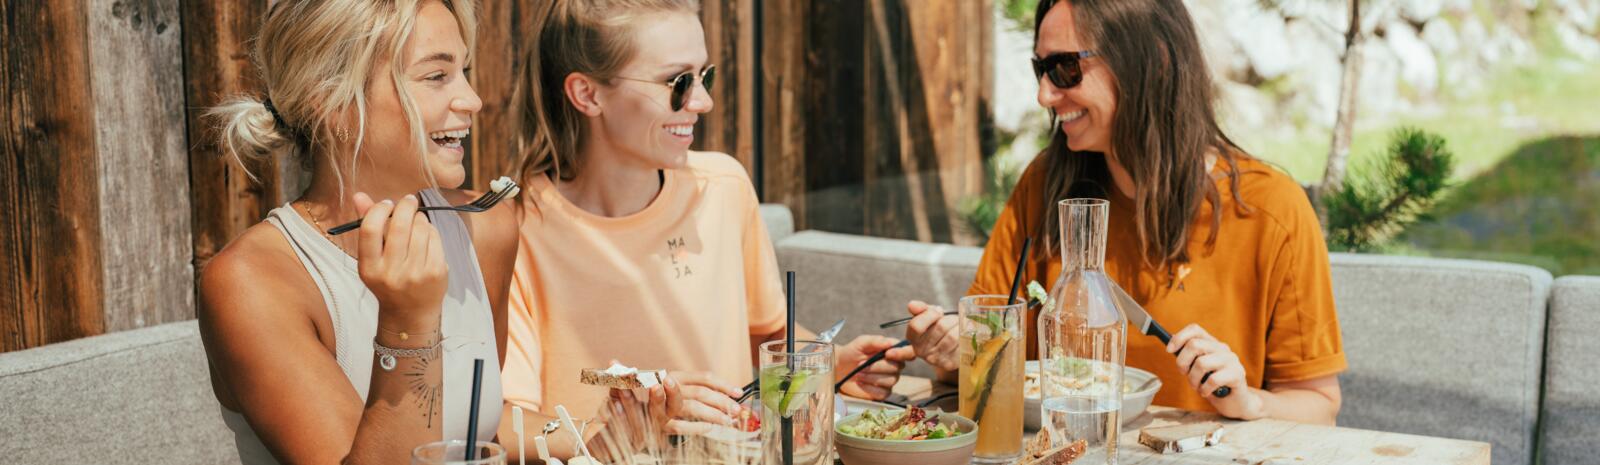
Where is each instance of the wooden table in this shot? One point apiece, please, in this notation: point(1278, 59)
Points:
point(1271, 442)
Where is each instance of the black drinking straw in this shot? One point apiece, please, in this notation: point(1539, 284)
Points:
point(786, 423)
point(472, 415)
point(1022, 261)
point(1016, 282)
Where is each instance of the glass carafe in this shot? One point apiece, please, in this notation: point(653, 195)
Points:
point(1082, 339)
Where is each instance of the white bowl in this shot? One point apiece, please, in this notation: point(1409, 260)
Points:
point(1133, 403)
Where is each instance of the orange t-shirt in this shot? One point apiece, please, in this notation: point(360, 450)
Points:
point(1263, 288)
point(680, 285)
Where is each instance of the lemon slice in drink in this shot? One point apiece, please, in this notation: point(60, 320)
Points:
point(988, 354)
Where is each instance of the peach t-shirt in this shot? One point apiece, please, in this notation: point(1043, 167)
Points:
point(1263, 288)
point(680, 285)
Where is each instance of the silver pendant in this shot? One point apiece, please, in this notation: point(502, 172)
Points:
point(387, 362)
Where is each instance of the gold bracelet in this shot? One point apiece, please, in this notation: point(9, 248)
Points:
point(404, 336)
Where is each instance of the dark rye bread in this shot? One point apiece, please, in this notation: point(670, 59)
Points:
point(1038, 451)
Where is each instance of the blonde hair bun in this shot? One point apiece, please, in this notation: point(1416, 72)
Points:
point(249, 131)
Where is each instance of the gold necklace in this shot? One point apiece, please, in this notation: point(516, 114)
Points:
point(314, 221)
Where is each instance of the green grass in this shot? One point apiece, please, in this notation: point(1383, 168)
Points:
point(1548, 99)
point(1526, 187)
point(1537, 207)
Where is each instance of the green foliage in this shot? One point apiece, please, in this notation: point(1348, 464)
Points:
point(978, 214)
point(1535, 207)
point(1020, 12)
point(1378, 200)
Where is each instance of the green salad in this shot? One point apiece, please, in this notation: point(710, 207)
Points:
point(911, 424)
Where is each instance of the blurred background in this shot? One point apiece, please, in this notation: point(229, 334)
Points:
point(1466, 128)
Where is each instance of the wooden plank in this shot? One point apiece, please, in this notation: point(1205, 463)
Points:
point(785, 94)
point(223, 199)
point(945, 37)
point(714, 131)
point(833, 124)
point(903, 143)
point(1269, 441)
point(50, 285)
point(145, 241)
point(502, 30)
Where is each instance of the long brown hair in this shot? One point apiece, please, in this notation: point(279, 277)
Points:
point(1163, 128)
point(593, 37)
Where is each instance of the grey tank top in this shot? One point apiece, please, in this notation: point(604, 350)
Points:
point(466, 321)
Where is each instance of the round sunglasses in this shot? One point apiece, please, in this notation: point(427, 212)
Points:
point(1064, 68)
point(682, 85)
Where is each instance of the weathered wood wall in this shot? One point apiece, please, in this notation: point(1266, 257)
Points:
point(97, 234)
point(864, 116)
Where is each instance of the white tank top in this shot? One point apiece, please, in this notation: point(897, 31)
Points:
point(466, 323)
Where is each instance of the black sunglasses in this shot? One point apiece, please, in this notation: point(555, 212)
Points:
point(683, 84)
point(1064, 68)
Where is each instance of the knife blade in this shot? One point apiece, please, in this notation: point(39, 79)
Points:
point(1148, 326)
point(828, 334)
point(1138, 317)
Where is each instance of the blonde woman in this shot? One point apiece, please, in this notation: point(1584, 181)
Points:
point(636, 248)
point(356, 348)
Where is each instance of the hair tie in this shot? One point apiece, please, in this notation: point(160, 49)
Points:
point(276, 118)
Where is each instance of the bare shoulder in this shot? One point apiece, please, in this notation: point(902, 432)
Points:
point(256, 267)
point(494, 230)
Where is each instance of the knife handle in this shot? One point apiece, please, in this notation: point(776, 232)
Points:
point(1221, 391)
point(1161, 333)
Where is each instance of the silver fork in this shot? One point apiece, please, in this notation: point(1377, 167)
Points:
point(481, 204)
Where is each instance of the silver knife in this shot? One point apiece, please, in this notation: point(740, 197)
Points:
point(825, 337)
point(1137, 317)
point(1142, 321)
point(828, 334)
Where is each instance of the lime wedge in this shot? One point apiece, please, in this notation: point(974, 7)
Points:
point(779, 388)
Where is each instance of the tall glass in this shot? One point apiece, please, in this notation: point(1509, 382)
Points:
point(991, 354)
point(1082, 339)
point(454, 452)
point(797, 401)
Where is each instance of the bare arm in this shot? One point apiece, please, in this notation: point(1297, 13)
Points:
point(283, 379)
point(1202, 357)
point(1313, 401)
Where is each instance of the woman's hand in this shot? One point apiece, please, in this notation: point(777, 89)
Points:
point(705, 398)
point(933, 335)
point(877, 381)
point(401, 260)
point(1199, 353)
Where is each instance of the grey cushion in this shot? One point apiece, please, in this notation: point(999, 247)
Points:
point(140, 396)
point(1572, 384)
point(869, 280)
point(1448, 348)
point(780, 222)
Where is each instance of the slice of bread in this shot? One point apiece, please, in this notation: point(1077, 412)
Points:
point(1038, 451)
point(620, 377)
point(1181, 438)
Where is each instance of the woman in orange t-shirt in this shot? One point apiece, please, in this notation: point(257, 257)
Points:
point(1205, 237)
point(637, 248)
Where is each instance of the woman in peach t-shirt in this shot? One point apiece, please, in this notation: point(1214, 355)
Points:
point(638, 249)
point(1214, 244)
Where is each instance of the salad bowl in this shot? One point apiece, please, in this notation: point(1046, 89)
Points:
point(954, 446)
